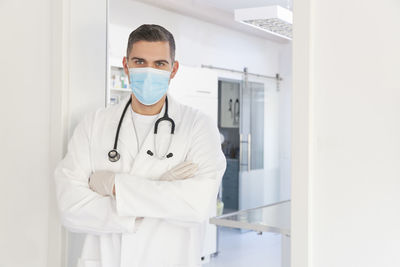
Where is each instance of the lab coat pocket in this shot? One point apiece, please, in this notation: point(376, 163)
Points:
point(88, 263)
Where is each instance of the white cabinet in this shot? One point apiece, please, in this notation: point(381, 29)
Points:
point(198, 88)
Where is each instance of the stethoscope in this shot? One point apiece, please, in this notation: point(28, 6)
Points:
point(114, 156)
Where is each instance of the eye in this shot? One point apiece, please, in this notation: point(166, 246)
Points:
point(160, 64)
point(139, 62)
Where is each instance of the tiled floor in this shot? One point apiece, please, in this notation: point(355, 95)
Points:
point(247, 249)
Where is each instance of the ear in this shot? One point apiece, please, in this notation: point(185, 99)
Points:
point(125, 64)
point(174, 69)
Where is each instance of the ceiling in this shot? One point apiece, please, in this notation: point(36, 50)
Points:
point(220, 12)
point(231, 5)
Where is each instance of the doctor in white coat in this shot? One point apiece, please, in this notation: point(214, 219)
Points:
point(147, 206)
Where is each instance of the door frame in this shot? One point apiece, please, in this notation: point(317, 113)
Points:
point(70, 91)
point(301, 135)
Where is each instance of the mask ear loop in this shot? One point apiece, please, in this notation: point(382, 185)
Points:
point(127, 66)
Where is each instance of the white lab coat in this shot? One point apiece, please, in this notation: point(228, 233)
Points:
point(174, 213)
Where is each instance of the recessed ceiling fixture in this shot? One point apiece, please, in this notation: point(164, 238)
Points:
point(274, 19)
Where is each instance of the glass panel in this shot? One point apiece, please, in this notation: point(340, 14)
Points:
point(228, 122)
point(229, 104)
point(269, 218)
point(245, 113)
point(257, 126)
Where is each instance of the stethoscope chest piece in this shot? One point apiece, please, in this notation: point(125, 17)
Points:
point(113, 155)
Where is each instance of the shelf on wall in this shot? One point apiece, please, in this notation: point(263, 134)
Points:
point(121, 89)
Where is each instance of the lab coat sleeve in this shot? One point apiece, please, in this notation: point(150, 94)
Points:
point(81, 209)
point(188, 200)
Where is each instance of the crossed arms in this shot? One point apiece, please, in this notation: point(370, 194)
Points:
point(189, 200)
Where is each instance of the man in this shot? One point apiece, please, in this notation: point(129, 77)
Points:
point(146, 202)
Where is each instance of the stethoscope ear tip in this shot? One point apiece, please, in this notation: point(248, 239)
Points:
point(151, 154)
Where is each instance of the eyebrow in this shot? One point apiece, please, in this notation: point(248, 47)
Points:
point(158, 61)
point(138, 58)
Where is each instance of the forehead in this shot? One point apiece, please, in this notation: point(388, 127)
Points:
point(150, 50)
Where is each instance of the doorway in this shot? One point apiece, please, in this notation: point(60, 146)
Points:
point(241, 123)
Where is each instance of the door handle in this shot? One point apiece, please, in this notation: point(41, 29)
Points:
point(240, 150)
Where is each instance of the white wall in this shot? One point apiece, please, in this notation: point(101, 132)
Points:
point(24, 135)
point(347, 121)
point(199, 42)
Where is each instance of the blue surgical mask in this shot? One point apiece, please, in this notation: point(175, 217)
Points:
point(148, 85)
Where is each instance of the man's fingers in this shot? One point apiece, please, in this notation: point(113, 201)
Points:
point(187, 169)
point(182, 171)
point(181, 166)
point(191, 171)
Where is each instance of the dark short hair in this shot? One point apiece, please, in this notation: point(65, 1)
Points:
point(151, 33)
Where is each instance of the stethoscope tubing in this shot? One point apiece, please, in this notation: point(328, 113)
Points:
point(114, 156)
point(120, 123)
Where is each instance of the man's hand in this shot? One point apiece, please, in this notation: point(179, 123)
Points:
point(102, 182)
point(181, 171)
